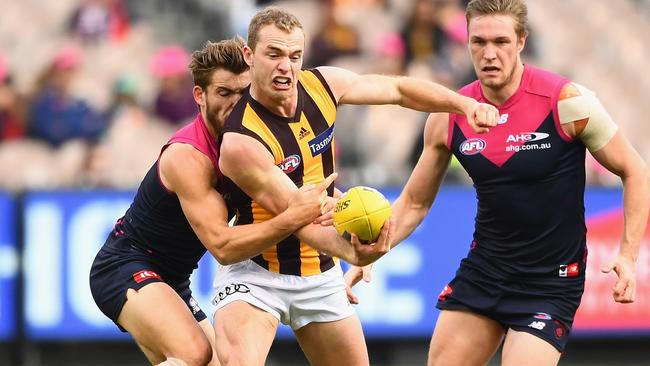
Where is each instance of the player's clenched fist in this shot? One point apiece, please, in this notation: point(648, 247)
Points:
point(481, 116)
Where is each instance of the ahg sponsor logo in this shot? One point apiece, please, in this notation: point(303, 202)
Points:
point(472, 146)
point(322, 142)
point(526, 137)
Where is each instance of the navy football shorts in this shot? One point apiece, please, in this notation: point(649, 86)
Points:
point(120, 266)
point(543, 310)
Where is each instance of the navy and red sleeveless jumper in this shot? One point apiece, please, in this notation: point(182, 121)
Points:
point(528, 253)
point(153, 241)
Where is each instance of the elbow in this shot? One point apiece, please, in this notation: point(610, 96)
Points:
point(223, 257)
point(639, 176)
point(220, 249)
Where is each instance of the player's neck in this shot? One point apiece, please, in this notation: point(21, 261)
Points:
point(281, 106)
point(498, 96)
point(213, 130)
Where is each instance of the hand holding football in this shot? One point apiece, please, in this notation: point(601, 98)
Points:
point(361, 211)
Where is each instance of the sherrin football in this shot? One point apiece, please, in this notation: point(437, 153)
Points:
point(361, 211)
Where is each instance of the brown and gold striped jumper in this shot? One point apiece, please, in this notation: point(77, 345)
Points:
point(303, 147)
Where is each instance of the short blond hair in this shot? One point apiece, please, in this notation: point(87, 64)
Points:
point(517, 9)
point(227, 54)
point(271, 15)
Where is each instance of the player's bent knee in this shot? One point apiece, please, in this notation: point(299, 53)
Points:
point(200, 356)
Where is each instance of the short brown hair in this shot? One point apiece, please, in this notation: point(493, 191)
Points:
point(271, 15)
point(515, 8)
point(226, 54)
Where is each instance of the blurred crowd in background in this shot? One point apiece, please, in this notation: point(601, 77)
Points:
point(91, 89)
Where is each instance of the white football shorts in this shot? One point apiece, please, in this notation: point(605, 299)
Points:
point(294, 300)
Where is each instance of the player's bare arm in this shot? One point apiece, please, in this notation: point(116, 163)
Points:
point(418, 195)
point(190, 174)
point(266, 184)
point(426, 96)
point(582, 116)
point(421, 189)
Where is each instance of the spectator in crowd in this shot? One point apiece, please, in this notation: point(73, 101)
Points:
point(11, 106)
point(98, 20)
point(334, 39)
point(174, 102)
point(56, 116)
point(423, 39)
point(131, 142)
point(389, 165)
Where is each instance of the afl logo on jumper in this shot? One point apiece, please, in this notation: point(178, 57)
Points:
point(472, 146)
point(290, 164)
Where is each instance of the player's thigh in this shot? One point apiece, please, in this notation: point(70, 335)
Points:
point(243, 333)
point(328, 343)
point(519, 346)
point(161, 323)
point(464, 338)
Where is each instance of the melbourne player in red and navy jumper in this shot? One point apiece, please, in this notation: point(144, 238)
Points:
point(526, 263)
point(523, 278)
point(153, 241)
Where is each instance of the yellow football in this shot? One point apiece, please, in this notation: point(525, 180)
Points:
point(361, 211)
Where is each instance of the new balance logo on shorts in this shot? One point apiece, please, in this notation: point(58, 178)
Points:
point(537, 325)
point(229, 290)
point(194, 306)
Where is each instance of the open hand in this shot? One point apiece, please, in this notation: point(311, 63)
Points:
point(624, 290)
point(353, 276)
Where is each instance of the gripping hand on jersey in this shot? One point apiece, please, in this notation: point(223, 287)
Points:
point(624, 290)
point(481, 116)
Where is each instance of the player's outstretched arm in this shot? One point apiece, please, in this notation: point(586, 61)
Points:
point(418, 195)
point(251, 167)
point(190, 174)
point(422, 95)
